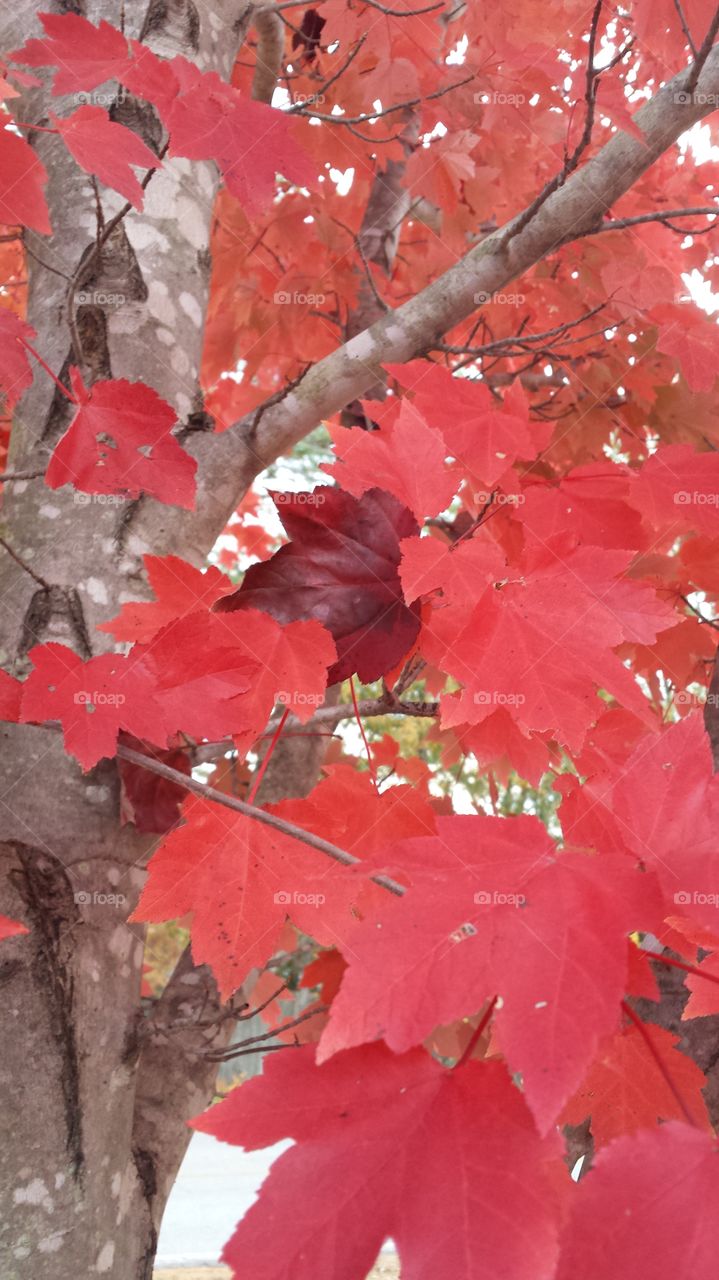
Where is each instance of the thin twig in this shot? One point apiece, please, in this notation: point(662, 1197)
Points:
point(234, 1051)
point(6, 477)
point(708, 622)
point(404, 13)
point(703, 54)
point(336, 75)
point(386, 111)
point(251, 811)
point(23, 565)
point(685, 28)
point(619, 224)
point(368, 749)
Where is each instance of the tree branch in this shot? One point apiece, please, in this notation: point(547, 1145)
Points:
point(619, 224)
point(251, 811)
point(270, 50)
point(574, 210)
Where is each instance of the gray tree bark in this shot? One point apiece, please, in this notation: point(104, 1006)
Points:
point(94, 1100)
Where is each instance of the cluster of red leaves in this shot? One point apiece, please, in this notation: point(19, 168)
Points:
point(550, 632)
point(194, 672)
point(206, 119)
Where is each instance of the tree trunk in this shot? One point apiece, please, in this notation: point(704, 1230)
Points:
point(94, 1101)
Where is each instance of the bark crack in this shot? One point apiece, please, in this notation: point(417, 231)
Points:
point(147, 1178)
point(47, 893)
point(52, 610)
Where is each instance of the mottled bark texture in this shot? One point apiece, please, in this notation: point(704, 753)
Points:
point(93, 1100)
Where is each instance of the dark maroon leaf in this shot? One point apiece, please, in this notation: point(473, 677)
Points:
point(150, 802)
point(340, 569)
point(308, 34)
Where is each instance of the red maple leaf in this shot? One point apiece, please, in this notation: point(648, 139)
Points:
point(291, 663)
point(666, 807)
point(261, 877)
point(388, 1145)
point(22, 199)
point(15, 368)
point(541, 651)
point(408, 456)
point(179, 588)
point(595, 502)
point(93, 700)
point(341, 569)
point(693, 340)
point(239, 879)
point(150, 77)
point(677, 490)
point(458, 570)
point(192, 678)
point(10, 928)
point(119, 442)
point(250, 142)
point(491, 912)
point(202, 682)
point(624, 1089)
point(628, 1209)
point(202, 665)
point(106, 149)
point(347, 809)
point(85, 55)
point(485, 437)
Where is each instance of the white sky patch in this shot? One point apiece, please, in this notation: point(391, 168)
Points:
point(457, 56)
point(343, 181)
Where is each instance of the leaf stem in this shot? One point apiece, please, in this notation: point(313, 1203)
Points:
point(268, 756)
point(370, 761)
point(481, 1025)
point(48, 370)
point(679, 964)
point(661, 1065)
